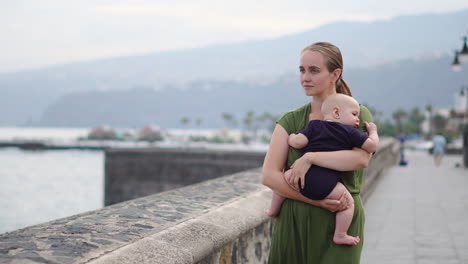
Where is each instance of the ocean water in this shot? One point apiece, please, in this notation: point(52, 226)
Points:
point(37, 187)
point(40, 186)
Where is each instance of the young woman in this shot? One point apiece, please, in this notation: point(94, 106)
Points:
point(304, 229)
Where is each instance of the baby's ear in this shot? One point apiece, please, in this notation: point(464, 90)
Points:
point(336, 112)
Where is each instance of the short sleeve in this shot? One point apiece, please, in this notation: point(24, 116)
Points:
point(295, 120)
point(287, 122)
point(356, 137)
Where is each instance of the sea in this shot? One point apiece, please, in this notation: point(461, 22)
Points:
point(41, 186)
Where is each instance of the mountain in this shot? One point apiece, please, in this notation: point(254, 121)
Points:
point(405, 84)
point(24, 96)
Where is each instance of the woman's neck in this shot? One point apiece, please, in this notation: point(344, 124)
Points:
point(316, 107)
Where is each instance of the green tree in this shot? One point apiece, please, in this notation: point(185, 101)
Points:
point(429, 110)
point(399, 116)
point(184, 121)
point(387, 128)
point(439, 123)
point(229, 119)
point(250, 127)
point(268, 121)
point(415, 120)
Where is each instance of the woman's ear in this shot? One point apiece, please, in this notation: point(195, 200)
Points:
point(336, 74)
point(336, 112)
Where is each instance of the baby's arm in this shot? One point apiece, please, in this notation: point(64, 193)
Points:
point(370, 145)
point(297, 141)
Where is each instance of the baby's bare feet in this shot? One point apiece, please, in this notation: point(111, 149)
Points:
point(344, 239)
point(273, 212)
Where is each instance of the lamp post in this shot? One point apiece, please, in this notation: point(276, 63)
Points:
point(461, 57)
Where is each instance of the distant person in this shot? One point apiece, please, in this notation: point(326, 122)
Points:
point(304, 228)
point(402, 139)
point(438, 151)
point(337, 131)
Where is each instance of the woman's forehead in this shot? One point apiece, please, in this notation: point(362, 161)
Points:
point(312, 58)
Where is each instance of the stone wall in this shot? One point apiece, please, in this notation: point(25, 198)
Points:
point(134, 173)
point(220, 220)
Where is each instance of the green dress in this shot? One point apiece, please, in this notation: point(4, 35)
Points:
point(304, 233)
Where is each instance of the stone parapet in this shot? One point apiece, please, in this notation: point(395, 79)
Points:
point(216, 221)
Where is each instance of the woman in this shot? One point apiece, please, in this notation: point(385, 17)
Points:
point(304, 229)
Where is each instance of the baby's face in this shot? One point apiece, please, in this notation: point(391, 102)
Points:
point(349, 114)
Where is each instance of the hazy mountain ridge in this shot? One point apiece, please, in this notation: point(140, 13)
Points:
point(430, 82)
point(25, 95)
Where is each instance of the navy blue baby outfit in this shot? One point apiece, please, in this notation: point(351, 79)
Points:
point(327, 136)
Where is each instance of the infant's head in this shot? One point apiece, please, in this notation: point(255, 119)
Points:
point(341, 108)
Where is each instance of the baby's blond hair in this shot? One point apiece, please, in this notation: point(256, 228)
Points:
point(338, 99)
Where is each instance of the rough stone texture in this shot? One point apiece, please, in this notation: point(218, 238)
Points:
point(217, 221)
point(134, 173)
point(86, 236)
point(387, 155)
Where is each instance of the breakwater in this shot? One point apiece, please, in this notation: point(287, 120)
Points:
point(134, 173)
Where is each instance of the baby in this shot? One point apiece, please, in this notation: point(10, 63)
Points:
point(337, 131)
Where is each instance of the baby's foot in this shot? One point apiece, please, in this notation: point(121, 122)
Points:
point(272, 212)
point(344, 239)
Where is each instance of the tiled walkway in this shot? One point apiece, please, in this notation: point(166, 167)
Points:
point(419, 214)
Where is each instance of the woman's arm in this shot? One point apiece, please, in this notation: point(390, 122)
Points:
point(273, 177)
point(342, 160)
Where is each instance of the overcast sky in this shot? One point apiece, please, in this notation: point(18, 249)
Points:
point(36, 33)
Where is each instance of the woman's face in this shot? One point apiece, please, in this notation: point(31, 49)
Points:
point(314, 75)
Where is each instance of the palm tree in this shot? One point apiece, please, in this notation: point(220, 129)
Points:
point(429, 110)
point(415, 120)
point(184, 121)
point(229, 119)
point(399, 116)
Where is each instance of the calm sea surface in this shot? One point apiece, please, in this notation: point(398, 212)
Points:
point(39, 186)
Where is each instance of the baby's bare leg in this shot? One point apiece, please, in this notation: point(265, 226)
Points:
point(343, 219)
point(277, 200)
point(275, 206)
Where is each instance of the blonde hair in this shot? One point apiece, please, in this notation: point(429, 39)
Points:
point(334, 61)
point(338, 99)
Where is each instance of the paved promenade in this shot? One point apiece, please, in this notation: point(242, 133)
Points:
point(419, 214)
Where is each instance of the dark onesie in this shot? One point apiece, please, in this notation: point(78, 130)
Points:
point(327, 136)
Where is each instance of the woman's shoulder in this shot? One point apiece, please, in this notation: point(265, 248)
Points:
point(298, 111)
point(293, 120)
point(364, 116)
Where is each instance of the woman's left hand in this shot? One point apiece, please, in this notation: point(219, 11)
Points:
point(299, 170)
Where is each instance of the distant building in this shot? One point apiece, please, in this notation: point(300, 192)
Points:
point(455, 117)
point(150, 133)
point(461, 100)
point(102, 132)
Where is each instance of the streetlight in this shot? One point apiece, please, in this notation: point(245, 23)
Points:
point(456, 67)
point(460, 58)
point(463, 55)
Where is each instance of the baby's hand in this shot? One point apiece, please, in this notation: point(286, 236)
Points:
point(371, 127)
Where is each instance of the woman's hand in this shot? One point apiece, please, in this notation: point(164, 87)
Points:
point(345, 201)
point(299, 170)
